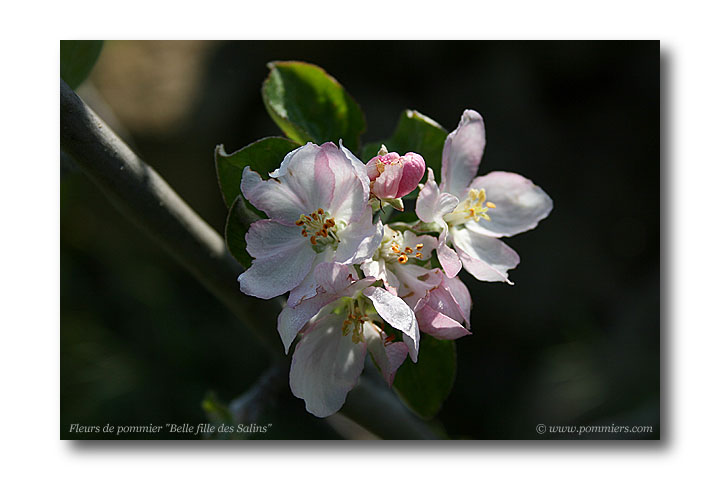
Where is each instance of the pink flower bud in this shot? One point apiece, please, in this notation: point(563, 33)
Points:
point(393, 176)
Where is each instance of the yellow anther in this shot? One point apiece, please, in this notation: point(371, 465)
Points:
point(408, 250)
point(418, 246)
point(473, 208)
point(403, 258)
point(320, 211)
point(418, 255)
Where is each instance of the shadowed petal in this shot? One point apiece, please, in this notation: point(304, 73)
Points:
point(359, 240)
point(326, 366)
point(439, 325)
point(273, 275)
point(486, 258)
point(388, 358)
point(432, 204)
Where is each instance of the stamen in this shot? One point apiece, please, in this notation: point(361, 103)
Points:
point(408, 250)
point(473, 208)
point(418, 255)
point(418, 246)
point(321, 229)
point(403, 258)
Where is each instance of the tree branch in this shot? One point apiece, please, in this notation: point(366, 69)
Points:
point(146, 198)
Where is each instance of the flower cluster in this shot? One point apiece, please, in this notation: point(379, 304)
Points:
point(357, 286)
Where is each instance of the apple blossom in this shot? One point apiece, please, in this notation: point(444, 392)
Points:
point(471, 215)
point(338, 327)
point(317, 204)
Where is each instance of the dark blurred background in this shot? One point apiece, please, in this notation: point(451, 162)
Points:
point(576, 341)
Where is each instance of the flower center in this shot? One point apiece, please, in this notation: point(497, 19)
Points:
point(392, 249)
point(355, 320)
point(473, 208)
point(319, 227)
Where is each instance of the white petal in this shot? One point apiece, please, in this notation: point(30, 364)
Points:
point(326, 366)
point(360, 169)
point(266, 238)
point(359, 240)
point(397, 313)
point(519, 204)
point(274, 275)
point(348, 199)
point(486, 258)
point(306, 172)
point(274, 198)
point(462, 153)
point(292, 319)
point(309, 286)
point(432, 204)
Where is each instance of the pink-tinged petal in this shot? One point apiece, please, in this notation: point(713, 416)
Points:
point(519, 204)
point(326, 365)
point(397, 313)
point(461, 296)
point(439, 325)
point(349, 199)
point(440, 314)
point(486, 258)
point(308, 172)
point(359, 168)
point(387, 183)
point(448, 257)
point(432, 204)
point(270, 276)
point(462, 153)
point(360, 240)
point(273, 197)
point(389, 357)
point(413, 171)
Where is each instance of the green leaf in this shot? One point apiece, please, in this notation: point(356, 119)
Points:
point(239, 218)
point(77, 58)
point(425, 385)
point(414, 133)
point(311, 106)
point(263, 156)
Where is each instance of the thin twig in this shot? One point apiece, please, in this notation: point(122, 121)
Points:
point(146, 198)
